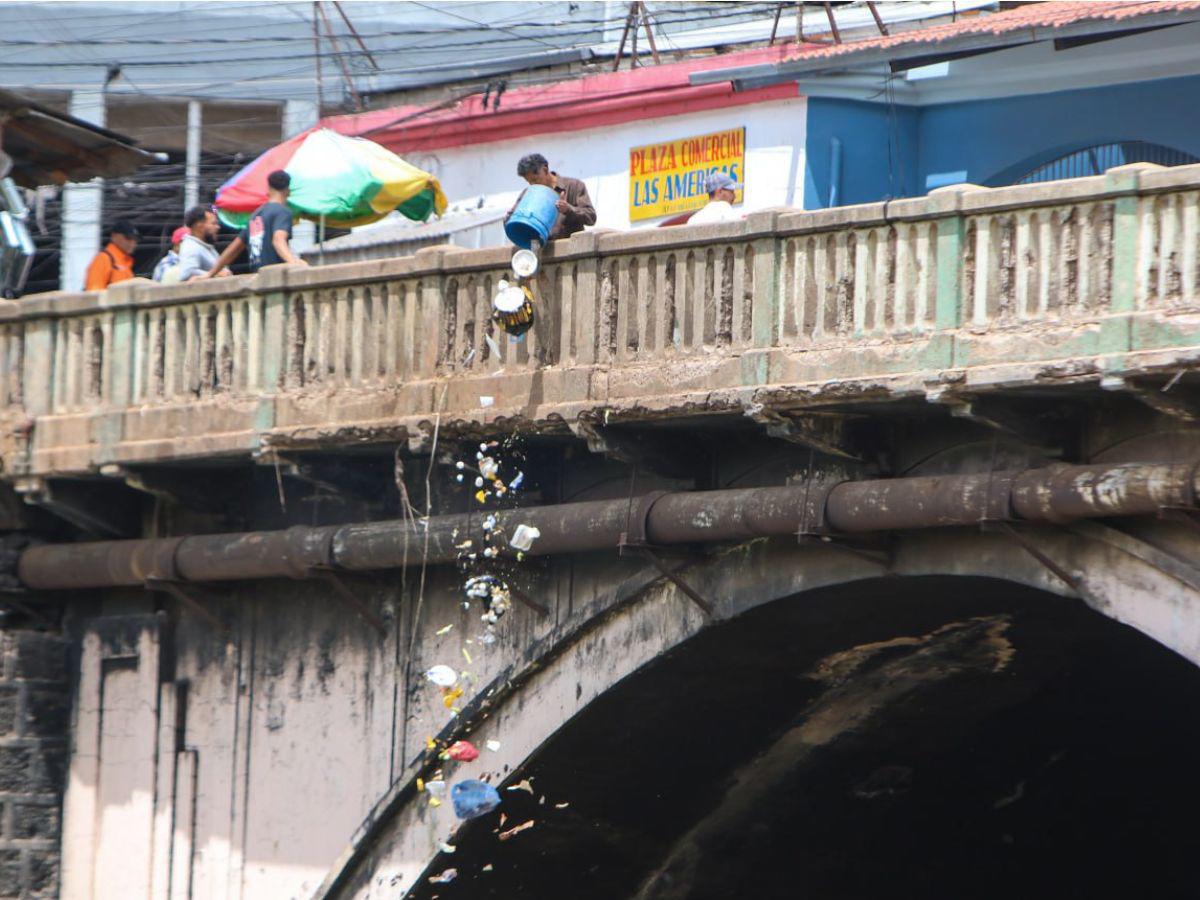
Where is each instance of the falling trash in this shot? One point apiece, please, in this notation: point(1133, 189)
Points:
point(515, 830)
point(480, 587)
point(445, 878)
point(445, 629)
point(523, 537)
point(436, 788)
point(473, 798)
point(462, 751)
point(442, 676)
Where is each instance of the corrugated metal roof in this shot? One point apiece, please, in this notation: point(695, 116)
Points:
point(48, 147)
point(1053, 14)
point(397, 229)
point(1024, 24)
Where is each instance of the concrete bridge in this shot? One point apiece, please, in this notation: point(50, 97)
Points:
point(862, 531)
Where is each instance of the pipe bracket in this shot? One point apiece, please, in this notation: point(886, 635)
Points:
point(333, 578)
point(188, 596)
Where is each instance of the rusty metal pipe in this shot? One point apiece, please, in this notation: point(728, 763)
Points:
point(1050, 494)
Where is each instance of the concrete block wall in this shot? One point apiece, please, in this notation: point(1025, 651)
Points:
point(34, 722)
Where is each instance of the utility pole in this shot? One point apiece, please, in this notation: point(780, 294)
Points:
point(191, 177)
point(317, 57)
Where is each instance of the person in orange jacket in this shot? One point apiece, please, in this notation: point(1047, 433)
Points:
point(115, 262)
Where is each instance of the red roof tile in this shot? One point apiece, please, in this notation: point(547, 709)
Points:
point(1051, 14)
point(590, 102)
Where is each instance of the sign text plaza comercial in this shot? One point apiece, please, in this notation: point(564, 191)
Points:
point(668, 178)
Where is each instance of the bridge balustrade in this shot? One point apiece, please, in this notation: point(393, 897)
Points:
point(1085, 273)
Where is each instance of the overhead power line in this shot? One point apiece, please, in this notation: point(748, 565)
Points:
point(735, 11)
point(746, 9)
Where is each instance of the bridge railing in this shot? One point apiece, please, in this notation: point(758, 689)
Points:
point(148, 371)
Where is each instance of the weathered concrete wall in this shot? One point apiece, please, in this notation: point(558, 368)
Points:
point(278, 756)
point(283, 754)
point(964, 291)
point(34, 709)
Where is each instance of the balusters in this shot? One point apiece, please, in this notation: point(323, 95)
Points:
point(626, 285)
point(1189, 235)
point(669, 326)
point(12, 363)
point(636, 303)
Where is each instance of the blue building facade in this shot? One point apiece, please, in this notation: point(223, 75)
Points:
point(859, 151)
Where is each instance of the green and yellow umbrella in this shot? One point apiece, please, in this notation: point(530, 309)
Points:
point(346, 181)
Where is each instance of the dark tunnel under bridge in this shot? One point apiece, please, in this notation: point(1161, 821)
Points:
point(915, 737)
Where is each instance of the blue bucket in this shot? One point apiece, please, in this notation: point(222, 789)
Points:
point(533, 217)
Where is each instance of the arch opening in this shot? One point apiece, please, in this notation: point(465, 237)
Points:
point(1094, 159)
point(925, 736)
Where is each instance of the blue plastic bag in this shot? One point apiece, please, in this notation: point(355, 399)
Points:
point(473, 798)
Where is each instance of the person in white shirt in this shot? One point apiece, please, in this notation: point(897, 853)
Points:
point(167, 270)
point(196, 251)
point(722, 190)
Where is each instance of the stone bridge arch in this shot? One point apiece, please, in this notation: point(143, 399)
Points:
point(1136, 577)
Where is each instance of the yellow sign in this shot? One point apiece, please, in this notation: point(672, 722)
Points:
point(668, 178)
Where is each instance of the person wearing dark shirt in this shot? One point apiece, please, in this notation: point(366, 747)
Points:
point(267, 233)
point(574, 206)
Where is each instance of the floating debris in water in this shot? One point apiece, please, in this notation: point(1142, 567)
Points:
point(445, 878)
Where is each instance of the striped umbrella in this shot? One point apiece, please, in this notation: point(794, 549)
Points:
point(347, 181)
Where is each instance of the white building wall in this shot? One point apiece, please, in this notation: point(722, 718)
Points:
point(82, 203)
point(775, 137)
